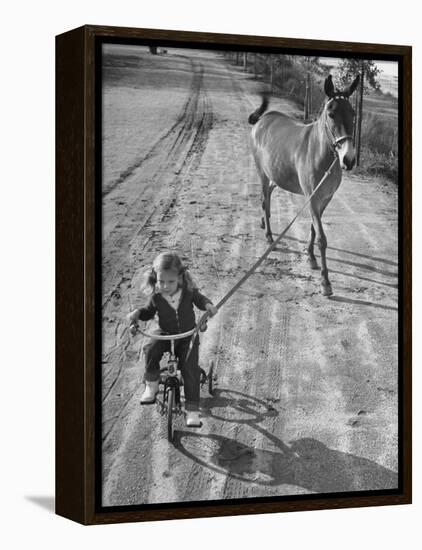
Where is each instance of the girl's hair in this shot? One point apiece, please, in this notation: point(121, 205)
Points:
point(167, 261)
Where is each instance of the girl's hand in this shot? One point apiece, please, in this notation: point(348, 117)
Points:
point(133, 329)
point(212, 310)
point(133, 317)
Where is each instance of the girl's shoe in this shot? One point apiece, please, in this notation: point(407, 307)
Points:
point(192, 419)
point(151, 390)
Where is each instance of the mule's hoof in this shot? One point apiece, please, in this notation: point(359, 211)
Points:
point(326, 289)
point(262, 224)
point(313, 263)
point(270, 238)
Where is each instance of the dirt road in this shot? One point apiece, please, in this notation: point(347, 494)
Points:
point(306, 398)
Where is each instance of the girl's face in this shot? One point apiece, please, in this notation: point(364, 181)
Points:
point(167, 282)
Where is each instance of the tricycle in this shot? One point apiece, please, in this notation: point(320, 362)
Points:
point(171, 378)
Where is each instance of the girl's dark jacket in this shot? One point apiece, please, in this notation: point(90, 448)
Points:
point(170, 320)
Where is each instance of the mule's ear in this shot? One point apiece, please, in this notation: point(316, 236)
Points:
point(349, 91)
point(329, 86)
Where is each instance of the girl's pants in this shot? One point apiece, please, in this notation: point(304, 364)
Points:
point(191, 373)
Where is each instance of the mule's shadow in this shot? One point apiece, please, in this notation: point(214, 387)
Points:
point(352, 253)
point(306, 463)
point(344, 300)
point(392, 274)
point(365, 279)
point(343, 261)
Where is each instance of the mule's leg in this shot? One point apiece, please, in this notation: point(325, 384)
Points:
point(322, 244)
point(269, 233)
point(310, 249)
point(267, 189)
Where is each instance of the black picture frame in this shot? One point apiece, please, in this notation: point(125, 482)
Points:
point(78, 328)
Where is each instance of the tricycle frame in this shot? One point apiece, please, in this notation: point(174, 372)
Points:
point(171, 377)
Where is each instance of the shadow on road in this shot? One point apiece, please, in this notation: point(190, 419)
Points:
point(306, 463)
point(367, 267)
point(358, 254)
point(360, 302)
point(366, 279)
point(243, 408)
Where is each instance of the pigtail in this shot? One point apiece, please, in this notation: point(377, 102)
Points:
point(188, 282)
point(149, 281)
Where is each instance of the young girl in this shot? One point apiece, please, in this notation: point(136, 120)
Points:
point(172, 297)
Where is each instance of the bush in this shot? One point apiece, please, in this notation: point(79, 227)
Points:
point(379, 134)
point(379, 165)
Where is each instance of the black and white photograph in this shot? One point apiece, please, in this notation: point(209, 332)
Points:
point(250, 275)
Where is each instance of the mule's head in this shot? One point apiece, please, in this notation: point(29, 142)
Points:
point(338, 120)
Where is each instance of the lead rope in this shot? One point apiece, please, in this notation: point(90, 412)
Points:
point(260, 260)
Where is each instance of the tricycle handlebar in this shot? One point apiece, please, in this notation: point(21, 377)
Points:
point(201, 325)
point(168, 336)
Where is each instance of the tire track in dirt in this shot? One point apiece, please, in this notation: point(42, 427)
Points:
point(263, 347)
point(187, 145)
point(191, 140)
point(248, 380)
point(258, 380)
point(267, 356)
point(224, 345)
point(156, 242)
point(348, 403)
point(204, 122)
point(200, 482)
point(183, 123)
point(233, 486)
point(160, 174)
point(222, 485)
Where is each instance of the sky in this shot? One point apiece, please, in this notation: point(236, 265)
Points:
point(387, 78)
point(388, 68)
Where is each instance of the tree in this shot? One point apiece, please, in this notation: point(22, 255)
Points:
point(349, 68)
point(368, 71)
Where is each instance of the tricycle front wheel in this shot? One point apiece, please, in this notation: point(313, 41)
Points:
point(170, 405)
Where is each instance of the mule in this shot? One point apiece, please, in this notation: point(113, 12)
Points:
point(295, 156)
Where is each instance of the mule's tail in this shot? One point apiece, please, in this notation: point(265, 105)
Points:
point(256, 115)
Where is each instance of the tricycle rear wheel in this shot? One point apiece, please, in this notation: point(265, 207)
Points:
point(211, 378)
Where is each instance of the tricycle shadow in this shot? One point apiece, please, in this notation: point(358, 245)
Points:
point(305, 463)
point(239, 407)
